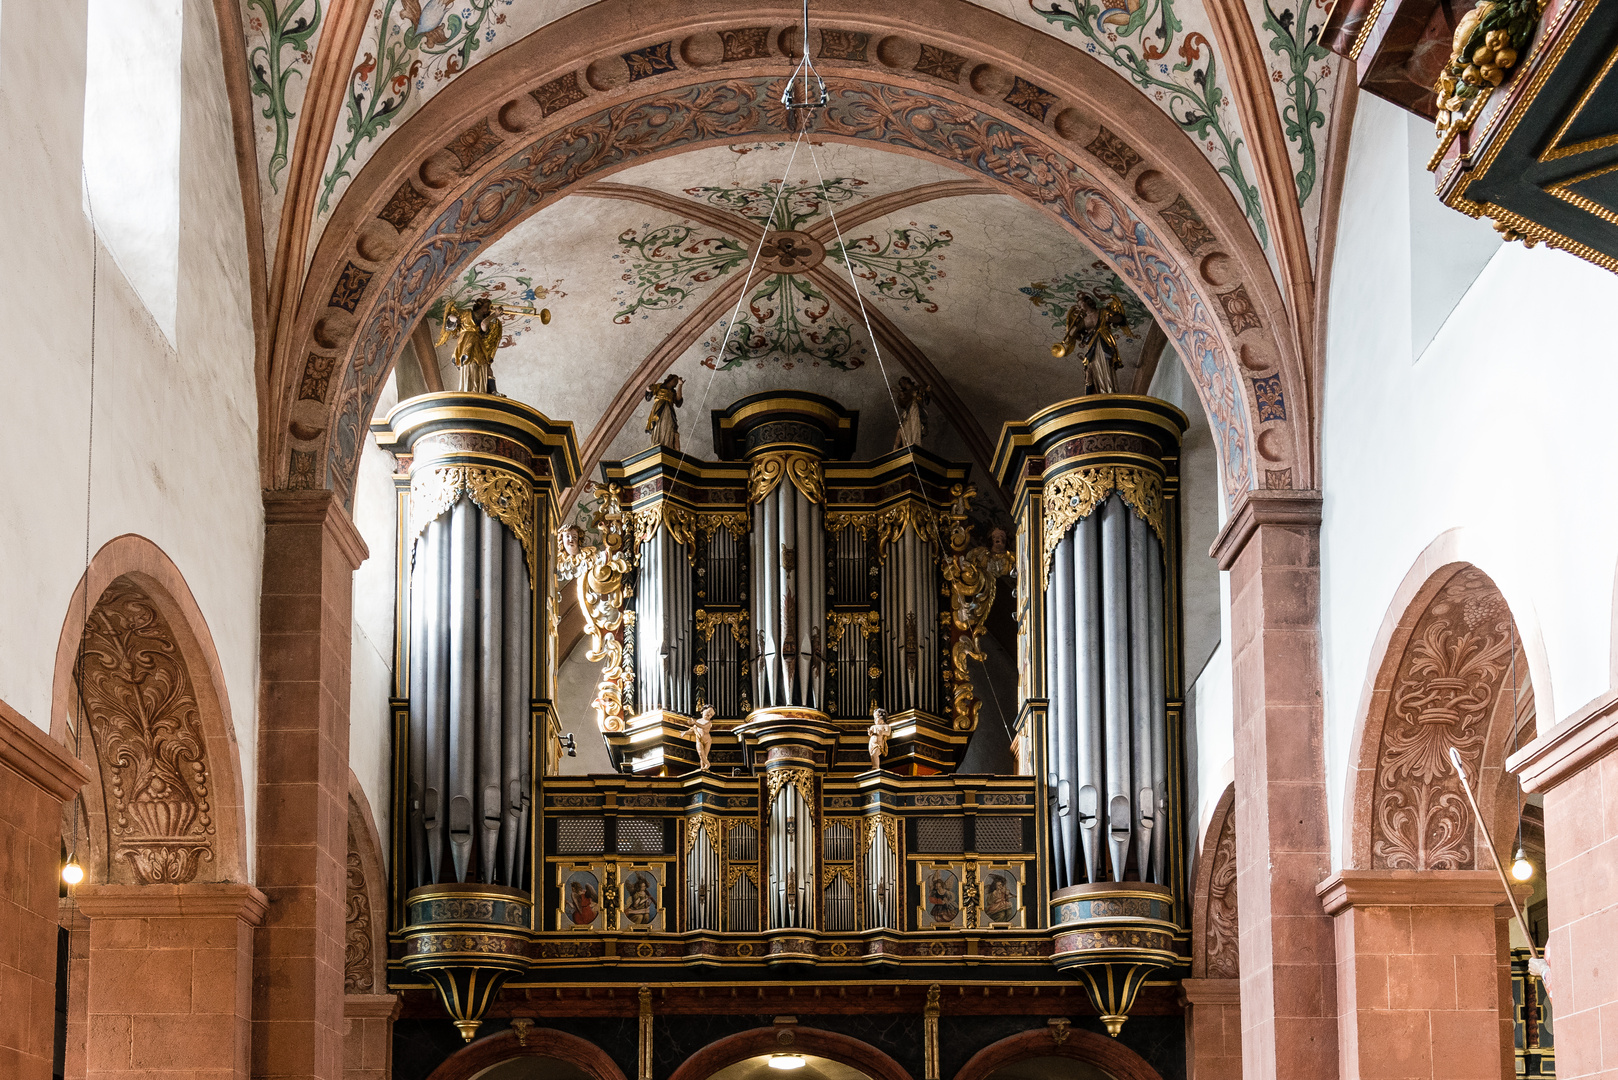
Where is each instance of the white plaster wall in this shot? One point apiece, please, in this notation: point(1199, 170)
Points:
point(370, 728)
point(176, 456)
point(1500, 430)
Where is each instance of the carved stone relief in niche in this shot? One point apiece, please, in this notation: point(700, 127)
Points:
point(1220, 948)
point(359, 972)
point(1443, 691)
point(148, 737)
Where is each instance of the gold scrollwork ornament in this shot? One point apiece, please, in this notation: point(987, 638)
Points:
point(972, 575)
point(1074, 496)
point(502, 495)
point(602, 574)
point(769, 469)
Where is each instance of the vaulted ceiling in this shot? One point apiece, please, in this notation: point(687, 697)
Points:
point(956, 280)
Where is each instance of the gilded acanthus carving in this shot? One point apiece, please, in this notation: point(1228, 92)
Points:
point(802, 779)
point(839, 622)
point(889, 524)
point(736, 620)
point(681, 524)
point(358, 967)
point(734, 522)
point(770, 468)
point(147, 730)
point(973, 574)
point(1444, 690)
point(1220, 942)
point(694, 827)
point(1074, 496)
point(502, 495)
point(601, 574)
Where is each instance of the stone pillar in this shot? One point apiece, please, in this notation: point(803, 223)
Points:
point(1575, 766)
point(1271, 546)
point(170, 979)
point(368, 1046)
point(1213, 1028)
point(1418, 972)
point(311, 550)
point(37, 776)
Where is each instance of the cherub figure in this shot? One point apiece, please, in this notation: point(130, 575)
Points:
point(701, 732)
point(1092, 335)
point(912, 398)
point(661, 423)
point(879, 732)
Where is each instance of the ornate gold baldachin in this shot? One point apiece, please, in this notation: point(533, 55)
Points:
point(695, 825)
point(800, 778)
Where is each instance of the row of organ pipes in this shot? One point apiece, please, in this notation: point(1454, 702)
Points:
point(1108, 743)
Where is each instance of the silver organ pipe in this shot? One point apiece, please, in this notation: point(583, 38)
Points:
point(1086, 739)
point(789, 598)
point(910, 630)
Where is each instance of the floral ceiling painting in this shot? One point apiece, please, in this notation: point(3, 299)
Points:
point(787, 318)
point(645, 274)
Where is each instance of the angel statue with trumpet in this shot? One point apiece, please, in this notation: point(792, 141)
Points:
point(1093, 323)
point(478, 333)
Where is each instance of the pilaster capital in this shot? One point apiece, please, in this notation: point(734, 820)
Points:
point(1211, 991)
point(39, 759)
point(1570, 747)
point(372, 1006)
point(317, 507)
point(1259, 507)
point(196, 900)
point(1348, 889)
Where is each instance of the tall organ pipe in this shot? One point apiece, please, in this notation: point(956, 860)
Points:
point(420, 578)
point(1159, 703)
point(1088, 753)
point(1115, 679)
point(514, 755)
point(1064, 689)
point(1141, 721)
point(434, 754)
point(462, 681)
point(490, 708)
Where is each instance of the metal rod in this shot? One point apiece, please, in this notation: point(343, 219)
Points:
point(1460, 770)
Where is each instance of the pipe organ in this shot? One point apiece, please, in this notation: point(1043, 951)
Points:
point(1095, 482)
point(745, 616)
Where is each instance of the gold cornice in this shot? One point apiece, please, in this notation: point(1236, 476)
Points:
point(786, 404)
point(1553, 152)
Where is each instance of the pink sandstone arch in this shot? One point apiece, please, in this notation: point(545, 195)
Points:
point(944, 79)
point(1113, 1057)
point(807, 1040)
point(537, 1042)
point(137, 570)
point(1441, 675)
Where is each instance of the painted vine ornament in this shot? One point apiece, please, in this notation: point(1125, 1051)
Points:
point(1488, 42)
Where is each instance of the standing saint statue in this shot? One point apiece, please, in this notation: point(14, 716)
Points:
point(661, 423)
point(879, 732)
point(1092, 335)
point(701, 732)
point(912, 398)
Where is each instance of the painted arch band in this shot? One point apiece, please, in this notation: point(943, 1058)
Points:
point(904, 118)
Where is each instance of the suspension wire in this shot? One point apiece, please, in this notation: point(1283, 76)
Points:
point(747, 281)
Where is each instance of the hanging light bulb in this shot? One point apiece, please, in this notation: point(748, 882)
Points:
point(1521, 868)
point(72, 872)
point(787, 1061)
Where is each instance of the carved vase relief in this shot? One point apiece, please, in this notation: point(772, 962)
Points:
point(148, 736)
point(358, 970)
point(1443, 693)
point(1220, 948)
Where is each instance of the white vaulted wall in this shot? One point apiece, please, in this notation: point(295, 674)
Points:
point(1494, 428)
point(175, 421)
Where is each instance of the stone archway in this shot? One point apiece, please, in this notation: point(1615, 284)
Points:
point(167, 805)
point(1213, 1020)
point(1109, 1055)
point(1032, 117)
point(533, 1042)
point(1420, 914)
point(807, 1040)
